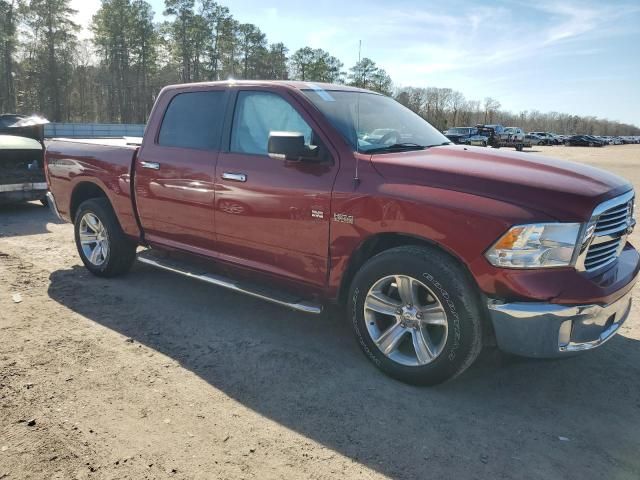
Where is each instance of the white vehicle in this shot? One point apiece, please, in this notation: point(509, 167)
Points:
point(514, 134)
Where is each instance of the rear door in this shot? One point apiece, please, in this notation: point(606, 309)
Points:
point(174, 171)
point(271, 214)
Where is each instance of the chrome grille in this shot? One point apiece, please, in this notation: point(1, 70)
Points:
point(601, 254)
point(612, 221)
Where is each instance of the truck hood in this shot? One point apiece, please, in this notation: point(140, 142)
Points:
point(561, 189)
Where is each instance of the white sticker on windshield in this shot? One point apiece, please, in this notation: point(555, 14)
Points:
point(322, 93)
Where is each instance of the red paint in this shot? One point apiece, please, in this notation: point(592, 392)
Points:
point(461, 199)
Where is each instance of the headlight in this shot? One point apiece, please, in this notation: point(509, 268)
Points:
point(538, 245)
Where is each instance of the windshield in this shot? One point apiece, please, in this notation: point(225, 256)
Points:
point(374, 123)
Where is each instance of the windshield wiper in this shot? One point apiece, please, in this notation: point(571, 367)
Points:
point(439, 144)
point(396, 147)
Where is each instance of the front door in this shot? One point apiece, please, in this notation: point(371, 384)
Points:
point(174, 173)
point(271, 214)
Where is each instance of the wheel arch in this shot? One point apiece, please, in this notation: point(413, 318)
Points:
point(381, 242)
point(83, 191)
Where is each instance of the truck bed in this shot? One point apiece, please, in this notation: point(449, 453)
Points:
point(106, 162)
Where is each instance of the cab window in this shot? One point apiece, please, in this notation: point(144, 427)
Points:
point(257, 114)
point(193, 120)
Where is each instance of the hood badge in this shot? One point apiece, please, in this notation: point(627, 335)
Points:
point(343, 218)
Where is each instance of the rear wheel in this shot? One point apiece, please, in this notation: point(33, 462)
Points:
point(416, 315)
point(103, 247)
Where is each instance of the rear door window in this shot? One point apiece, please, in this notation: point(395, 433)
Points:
point(194, 120)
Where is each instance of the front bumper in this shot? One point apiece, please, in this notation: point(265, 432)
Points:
point(545, 330)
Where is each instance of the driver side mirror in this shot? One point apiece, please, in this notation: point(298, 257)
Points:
point(290, 146)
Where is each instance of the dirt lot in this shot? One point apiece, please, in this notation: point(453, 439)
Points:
point(157, 376)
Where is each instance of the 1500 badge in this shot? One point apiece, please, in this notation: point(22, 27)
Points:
point(342, 217)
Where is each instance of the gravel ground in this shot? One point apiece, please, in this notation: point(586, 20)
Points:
point(157, 376)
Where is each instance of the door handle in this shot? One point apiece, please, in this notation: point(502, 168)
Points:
point(236, 177)
point(151, 165)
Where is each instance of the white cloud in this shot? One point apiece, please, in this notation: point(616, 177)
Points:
point(86, 10)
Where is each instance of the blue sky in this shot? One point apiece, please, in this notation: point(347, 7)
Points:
point(579, 57)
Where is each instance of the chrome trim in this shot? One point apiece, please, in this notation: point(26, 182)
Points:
point(604, 337)
point(23, 187)
point(51, 201)
point(236, 177)
point(150, 165)
point(618, 233)
point(303, 306)
point(619, 200)
point(538, 329)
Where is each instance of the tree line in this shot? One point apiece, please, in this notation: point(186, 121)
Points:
point(116, 74)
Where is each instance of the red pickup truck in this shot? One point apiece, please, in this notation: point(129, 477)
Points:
point(302, 194)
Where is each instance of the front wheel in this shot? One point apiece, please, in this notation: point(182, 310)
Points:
point(103, 247)
point(416, 315)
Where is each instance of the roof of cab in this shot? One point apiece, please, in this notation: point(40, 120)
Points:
point(291, 84)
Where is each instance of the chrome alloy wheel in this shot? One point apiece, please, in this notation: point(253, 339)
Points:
point(405, 320)
point(94, 239)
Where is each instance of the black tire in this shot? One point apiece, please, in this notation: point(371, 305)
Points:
point(519, 148)
point(454, 290)
point(121, 252)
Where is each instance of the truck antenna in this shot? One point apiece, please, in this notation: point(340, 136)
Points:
point(356, 179)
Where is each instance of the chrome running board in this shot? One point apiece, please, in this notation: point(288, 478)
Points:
point(187, 270)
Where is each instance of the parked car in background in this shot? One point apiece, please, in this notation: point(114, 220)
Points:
point(460, 135)
point(9, 119)
point(549, 138)
point(533, 139)
point(514, 134)
point(583, 141)
point(22, 159)
point(499, 136)
point(597, 139)
point(478, 140)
